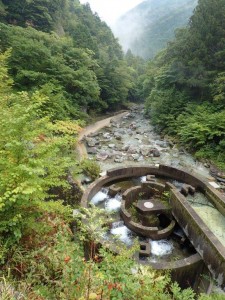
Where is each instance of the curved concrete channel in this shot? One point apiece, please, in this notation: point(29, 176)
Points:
point(205, 242)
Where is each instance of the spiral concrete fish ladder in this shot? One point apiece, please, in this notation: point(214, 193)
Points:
point(209, 248)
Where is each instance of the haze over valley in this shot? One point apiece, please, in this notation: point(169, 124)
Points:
point(148, 27)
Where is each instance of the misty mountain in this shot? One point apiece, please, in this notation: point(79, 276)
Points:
point(148, 27)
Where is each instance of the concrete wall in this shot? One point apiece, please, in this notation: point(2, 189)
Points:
point(185, 271)
point(136, 171)
point(204, 241)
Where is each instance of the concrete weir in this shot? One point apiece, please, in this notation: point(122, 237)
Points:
point(207, 245)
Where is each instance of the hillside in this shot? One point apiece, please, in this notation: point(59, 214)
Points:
point(184, 84)
point(63, 45)
point(147, 28)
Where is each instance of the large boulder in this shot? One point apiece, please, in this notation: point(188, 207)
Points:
point(118, 136)
point(107, 136)
point(162, 144)
point(145, 150)
point(92, 150)
point(133, 149)
point(118, 159)
point(155, 152)
point(101, 156)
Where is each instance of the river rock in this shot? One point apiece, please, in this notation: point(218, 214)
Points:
point(162, 144)
point(125, 148)
point(118, 159)
point(111, 153)
point(93, 134)
point(126, 116)
point(86, 180)
point(91, 142)
point(107, 136)
point(113, 190)
point(133, 125)
point(129, 131)
point(136, 156)
point(116, 125)
point(111, 146)
point(92, 150)
point(137, 137)
point(140, 131)
point(155, 152)
point(141, 158)
point(117, 136)
point(133, 150)
point(145, 151)
point(206, 165)
point(103, 155)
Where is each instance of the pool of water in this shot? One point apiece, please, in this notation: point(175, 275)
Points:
point(209, 214)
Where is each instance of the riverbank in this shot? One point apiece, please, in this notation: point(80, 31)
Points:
point(92, 129)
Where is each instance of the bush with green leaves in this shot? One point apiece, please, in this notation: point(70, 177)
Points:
point(50, 264)
point(35, 156)
point(91, 168)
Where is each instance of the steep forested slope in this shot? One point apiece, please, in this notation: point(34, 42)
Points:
point(63, 45)
point(147, 28)
point(58, 62)
point(185, 84)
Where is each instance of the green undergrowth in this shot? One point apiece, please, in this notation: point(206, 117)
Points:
point(49, 263)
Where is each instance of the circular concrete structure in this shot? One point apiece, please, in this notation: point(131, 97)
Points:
point(148, 224)
point(208, 246)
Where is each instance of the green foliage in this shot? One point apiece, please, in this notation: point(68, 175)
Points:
point(213, 296)
point(185, 84)
point(218, 88)
point(50, 265)
point(40, 14)
point(80, 61)
point(91, 168)
point(42, 60)
point(178, 294)
point(34, 159)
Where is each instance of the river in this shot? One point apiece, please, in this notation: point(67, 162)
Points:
point(129, 138)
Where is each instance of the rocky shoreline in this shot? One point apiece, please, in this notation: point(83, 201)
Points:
point(131, 139)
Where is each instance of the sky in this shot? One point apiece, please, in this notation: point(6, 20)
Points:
point(110, 10)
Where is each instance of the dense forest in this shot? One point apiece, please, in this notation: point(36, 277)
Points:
point(60, 65)
point(66, 51)
point(148, 27)
point(184, 85)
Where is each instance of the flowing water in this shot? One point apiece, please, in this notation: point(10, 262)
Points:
point(163, 250)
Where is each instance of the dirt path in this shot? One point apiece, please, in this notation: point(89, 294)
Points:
point(82, 151)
